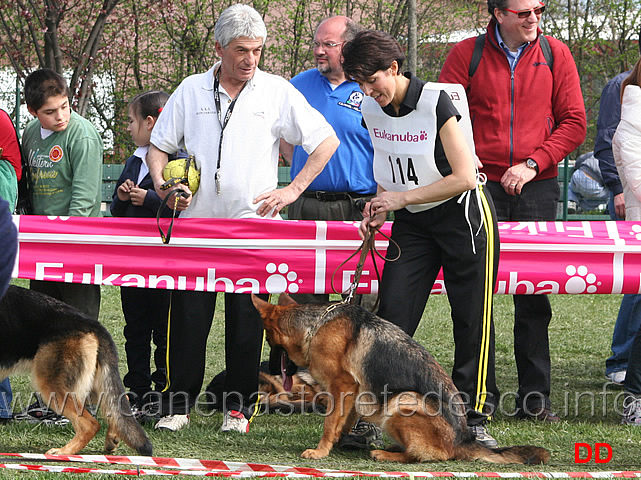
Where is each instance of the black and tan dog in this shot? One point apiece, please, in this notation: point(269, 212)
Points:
point(72, 359)
point(371, 368)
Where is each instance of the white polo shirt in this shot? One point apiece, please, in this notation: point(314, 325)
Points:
point(268, 108)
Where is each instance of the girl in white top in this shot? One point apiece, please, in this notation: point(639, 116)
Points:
point(626, 145)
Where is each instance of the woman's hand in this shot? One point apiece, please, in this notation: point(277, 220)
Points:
point(387, 201)
point(370, 219)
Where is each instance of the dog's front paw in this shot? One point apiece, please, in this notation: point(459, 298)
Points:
point(387, 456)
point(314, 453)
point(54, 451)
point(111, 443)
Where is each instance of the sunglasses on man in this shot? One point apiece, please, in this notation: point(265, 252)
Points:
point(526, 13)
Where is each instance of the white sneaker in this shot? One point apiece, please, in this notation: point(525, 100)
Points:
point(172, 423)
point(616, 377)
point(234, 421)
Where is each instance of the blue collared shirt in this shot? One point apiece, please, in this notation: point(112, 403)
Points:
point(512, 57)
point(350, 168)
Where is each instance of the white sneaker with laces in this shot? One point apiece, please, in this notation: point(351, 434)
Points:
point(617, 378)
point(172, 423)
point(235, 421)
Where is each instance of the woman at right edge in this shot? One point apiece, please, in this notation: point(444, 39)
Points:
point(426, 174)
point(625, 148)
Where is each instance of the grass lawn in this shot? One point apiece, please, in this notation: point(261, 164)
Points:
point(580, 336)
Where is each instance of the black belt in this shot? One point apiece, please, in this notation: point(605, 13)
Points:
point(334, 196)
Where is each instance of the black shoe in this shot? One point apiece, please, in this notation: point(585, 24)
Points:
point(38, 413)
point(363, 435)
point(540, 414)
point(482, 436)
point(142, 409)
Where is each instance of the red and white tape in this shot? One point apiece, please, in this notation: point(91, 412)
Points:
point(185, 466)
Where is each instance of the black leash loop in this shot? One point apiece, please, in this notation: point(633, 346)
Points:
point(176, 193)
point(173, 182)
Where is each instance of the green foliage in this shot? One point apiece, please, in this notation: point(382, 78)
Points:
point(138, 45)
point(603, 37)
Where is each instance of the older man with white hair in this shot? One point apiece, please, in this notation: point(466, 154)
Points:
point(231, 118)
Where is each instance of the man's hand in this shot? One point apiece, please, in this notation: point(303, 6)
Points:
point(275, 201)
point(183, 195)
point(619, 206)
point(516, 177)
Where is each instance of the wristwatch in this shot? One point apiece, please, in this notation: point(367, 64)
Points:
point(529, 163)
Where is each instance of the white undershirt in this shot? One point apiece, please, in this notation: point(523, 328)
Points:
point(141, 152)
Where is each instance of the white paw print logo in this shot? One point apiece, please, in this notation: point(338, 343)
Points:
point(581, 281)
point(636, 231)
point(280, 279)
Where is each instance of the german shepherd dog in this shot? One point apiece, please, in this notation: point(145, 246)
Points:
point(72, 359)
point(372, 369)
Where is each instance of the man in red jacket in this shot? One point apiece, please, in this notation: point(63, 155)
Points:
point(527, 116)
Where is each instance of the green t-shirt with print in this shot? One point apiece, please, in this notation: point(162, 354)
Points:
point(66, 168)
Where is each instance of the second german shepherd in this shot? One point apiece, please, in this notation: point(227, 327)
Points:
point(72, 359)
point(372, 369)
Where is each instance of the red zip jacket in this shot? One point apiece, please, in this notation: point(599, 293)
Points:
point(531, 113)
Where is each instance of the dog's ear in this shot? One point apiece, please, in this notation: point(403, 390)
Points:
point(284, 299)
point(261, 305)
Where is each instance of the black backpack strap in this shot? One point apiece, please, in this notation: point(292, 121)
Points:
point(476, 55)
point(480, 43)
point(547, 51)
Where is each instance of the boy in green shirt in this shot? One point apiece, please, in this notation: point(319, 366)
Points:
point(64, 152)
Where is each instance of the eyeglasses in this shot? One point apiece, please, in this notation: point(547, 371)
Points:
point(526, 13)
point(327, 45)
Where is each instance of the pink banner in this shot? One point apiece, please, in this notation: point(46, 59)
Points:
point(273, 256)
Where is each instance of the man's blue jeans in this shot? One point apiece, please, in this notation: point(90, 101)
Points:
point(625, 328)
point(587, 192)
point(627, 324)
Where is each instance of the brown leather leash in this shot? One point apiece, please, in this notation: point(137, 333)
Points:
point(368, 246)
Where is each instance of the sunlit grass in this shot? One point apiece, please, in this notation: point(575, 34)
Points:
point(580, 336)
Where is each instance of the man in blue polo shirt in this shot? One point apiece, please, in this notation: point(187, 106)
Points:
point(340, 191)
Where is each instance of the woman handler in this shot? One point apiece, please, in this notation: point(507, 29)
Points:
point(426, 174)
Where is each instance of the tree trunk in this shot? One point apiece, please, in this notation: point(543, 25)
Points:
point(82, 77)
point(411, 36)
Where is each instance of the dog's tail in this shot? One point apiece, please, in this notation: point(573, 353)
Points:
point(526, 454)
point(114, 403)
